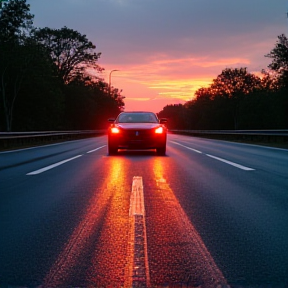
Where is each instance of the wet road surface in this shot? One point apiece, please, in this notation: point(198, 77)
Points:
point(208, 214)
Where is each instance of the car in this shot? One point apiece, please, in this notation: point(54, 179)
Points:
point(137, 130)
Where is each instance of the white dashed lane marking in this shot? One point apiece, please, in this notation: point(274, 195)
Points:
point(197, 151)
point(52, 166)
point(59, 163)
point(95, 149)
point(231, 163)
point(217, 158)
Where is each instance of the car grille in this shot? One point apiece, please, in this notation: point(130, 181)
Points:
point(138, 134)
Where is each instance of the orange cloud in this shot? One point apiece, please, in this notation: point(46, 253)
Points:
point(160, 77)
point(181, 89)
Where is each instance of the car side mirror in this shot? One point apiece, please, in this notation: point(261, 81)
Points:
point(111, 120)
point(163, 120)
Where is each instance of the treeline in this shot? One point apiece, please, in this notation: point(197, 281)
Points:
point(49, 80)
point(49, 77)
point(237, 99)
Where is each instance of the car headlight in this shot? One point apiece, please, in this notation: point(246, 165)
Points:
point(159, 130)
point(115, 130)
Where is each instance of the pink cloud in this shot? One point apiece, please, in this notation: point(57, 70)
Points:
point(166, 80)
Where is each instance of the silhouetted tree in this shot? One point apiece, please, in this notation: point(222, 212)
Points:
point(203, 110)
point(40, 103)
point(269, 80)
point(234, 85)
point(45, 70)
point(71, 51)
point(279, 55)
point(89, 105)
point(16, 22)
point(177, 116)
point(15, 55)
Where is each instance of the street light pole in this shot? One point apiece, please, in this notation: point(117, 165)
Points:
point(109, 87)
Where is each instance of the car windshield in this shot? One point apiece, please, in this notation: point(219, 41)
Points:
point(137, 118)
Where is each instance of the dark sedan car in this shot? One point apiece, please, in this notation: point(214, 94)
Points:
point(137, 130)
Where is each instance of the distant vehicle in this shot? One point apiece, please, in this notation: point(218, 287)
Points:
point(137, 130)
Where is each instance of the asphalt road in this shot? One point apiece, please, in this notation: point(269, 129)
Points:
point(208, 213)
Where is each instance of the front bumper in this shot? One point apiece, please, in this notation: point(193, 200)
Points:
point(133, 141)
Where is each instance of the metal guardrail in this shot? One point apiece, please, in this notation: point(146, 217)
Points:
point(10, 140)
point(263, 136)
point(280, 132)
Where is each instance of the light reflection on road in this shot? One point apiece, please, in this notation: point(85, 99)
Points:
point(181, 246)
point(110, 261)
point(107, 204)
point(176, 252)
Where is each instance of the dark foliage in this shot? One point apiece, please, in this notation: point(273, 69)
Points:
point(279, 55)
point(71, 51)
point(43, 80)
point(44, 85)
point(235, 100)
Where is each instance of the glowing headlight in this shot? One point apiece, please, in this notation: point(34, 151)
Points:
point(115, 130)
point(159, 130)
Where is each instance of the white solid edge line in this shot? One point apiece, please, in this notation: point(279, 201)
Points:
point(231, 163)
point(52, 166)
point(187, 147)
point(95, 149)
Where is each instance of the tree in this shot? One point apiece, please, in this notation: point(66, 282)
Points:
point(269, 80)
point(45, 70)
point(177, 116)
point(234, 85)
point(15, 27)
point(16, 22)
point(279, 55)
point(88, 103)
point(71, 51)
point(40, 103)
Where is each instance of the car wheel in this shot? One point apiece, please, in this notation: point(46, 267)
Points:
point(112, 150)
point(161, 150)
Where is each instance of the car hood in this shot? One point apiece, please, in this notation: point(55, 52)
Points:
point(137, 125)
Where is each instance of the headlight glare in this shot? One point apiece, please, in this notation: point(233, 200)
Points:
point(115, 130)
point(159, 130)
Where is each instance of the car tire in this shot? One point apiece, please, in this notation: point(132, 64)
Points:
point(161, 151)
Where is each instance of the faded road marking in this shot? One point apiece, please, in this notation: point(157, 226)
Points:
point(137, 197)
point(139, 265)
point(52, 166)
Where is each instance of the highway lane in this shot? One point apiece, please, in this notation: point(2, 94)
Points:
point(207, 219)
point(246, 211)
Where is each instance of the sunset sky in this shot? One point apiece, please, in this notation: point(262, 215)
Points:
point(167, 49)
